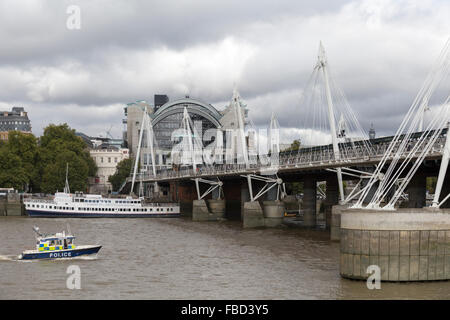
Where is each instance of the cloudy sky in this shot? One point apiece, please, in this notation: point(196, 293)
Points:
point(380, 52)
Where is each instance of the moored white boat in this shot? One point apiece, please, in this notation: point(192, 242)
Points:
point(96, 206)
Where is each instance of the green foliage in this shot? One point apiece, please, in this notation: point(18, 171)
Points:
point(12, 172)
point(295, 145)
point(60, 146)
point(122, 172)
point(431, 184)
point(25, 164)
point(24, 146)
point(294, 187)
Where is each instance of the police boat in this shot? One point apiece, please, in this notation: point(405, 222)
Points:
point(57, 246)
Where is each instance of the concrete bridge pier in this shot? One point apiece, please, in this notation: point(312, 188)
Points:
point(264, 212)
point(407, 245)
point(208, 210)
point(273, 213)
point(335, 232)
point(309, 201)
point(252, 215)
point(268, 213)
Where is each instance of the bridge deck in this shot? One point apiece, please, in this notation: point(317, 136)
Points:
point(306, 159)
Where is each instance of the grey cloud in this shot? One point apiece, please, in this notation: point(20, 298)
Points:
point(379, 51)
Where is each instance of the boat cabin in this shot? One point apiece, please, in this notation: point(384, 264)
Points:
point(58, 241)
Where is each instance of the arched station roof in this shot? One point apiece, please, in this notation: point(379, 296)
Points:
point(193, 106)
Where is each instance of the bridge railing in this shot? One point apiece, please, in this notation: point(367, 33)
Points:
point(294, 159)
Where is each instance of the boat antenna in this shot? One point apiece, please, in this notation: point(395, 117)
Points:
point(36, 229)
point(68, 230)
point(67, 188)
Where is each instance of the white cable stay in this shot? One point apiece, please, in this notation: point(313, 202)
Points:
point(327, 113)
point(405, 153)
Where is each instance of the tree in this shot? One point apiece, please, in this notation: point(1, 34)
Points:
point(123, 170)
point(25, 164)
point(295, 145)
point(12, 172)
point(24, 146)
point(60, 146)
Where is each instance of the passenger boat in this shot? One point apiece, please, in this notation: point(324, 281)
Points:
point(66, 204)
point(57, 246)
point(96, 206)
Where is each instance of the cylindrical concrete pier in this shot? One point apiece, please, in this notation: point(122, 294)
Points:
point(216, 208)
point(407, 245)
point(208, 210)
point(273, 213)
point(335, 232)
point(253, 216)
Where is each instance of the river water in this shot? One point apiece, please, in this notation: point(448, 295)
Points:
point(180, 259)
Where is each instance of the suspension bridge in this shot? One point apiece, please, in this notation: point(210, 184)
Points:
point(382, 219)
point(383, 167)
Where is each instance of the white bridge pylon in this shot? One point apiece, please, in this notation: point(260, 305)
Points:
point(323, 65)
point(146, 125)
point(326, 112)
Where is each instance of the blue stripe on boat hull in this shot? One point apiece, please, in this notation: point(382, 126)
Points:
point(48, 214)
point(61, 254)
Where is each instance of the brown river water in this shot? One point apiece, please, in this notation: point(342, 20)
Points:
point(180, 259)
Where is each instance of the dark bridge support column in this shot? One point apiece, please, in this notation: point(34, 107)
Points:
point(417, 191)
point(309, 201)
point(332, 199)
point(186, 195)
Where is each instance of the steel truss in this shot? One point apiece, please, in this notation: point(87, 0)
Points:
point(270, 183)
point(213, 185)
